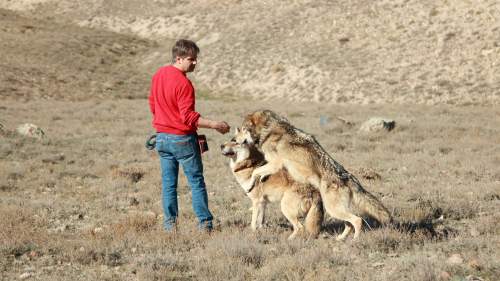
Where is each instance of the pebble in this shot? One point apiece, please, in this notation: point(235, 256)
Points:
point(473, 278)
point(445, 275)
point(455, 259)
point(474, 263)
point(26, 275)
point(97, 230)
point(474, 232)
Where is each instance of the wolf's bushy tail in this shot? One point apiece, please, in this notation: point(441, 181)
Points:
point(315, 215)
point(368, 204)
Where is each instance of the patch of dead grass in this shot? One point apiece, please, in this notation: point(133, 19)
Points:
point(21, 231)
point(91, 209)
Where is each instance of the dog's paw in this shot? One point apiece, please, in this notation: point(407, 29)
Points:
point(340, 238)
point(249, 185)
point(293, 235)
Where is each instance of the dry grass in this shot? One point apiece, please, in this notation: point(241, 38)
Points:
point(85, 201)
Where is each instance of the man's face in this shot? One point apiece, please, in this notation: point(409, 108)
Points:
point(186, 64)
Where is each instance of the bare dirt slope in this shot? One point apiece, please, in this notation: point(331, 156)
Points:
point(426, 52)
point(44, 59)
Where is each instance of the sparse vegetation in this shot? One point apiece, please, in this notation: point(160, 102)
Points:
point(84, 202)
point(96, 212)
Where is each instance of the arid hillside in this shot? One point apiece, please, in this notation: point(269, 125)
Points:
point(363, 52)
point(42, 59)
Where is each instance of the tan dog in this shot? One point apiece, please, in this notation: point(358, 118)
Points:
point(297, 200)
point(285, 146)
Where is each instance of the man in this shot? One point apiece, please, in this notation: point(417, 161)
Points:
point(172, 103)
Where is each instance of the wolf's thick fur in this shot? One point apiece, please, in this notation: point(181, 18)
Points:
point(297, 200)
point(285, 146)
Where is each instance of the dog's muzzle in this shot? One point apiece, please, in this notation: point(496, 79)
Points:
point(225, 151)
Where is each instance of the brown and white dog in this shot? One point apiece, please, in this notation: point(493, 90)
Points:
point(296, 200)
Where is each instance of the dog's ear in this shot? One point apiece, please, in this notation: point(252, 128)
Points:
point(251, 118)
point(254, 119)
point(258, 118)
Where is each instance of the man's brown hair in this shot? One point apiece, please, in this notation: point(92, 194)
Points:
point(184, 48)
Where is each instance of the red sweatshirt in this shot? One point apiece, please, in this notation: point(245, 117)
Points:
point(171, 100)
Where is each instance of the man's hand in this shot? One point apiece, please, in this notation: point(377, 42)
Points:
point(222, 127)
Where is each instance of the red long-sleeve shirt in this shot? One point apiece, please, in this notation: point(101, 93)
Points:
point(172, 102)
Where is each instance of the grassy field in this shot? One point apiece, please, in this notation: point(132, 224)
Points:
point(84, 202)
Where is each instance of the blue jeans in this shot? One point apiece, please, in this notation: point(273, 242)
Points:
point(183, 149)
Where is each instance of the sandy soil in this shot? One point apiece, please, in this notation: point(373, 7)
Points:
point(406, 52)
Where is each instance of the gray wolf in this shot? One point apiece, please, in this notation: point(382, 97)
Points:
point(285, 146)
point(296, 200)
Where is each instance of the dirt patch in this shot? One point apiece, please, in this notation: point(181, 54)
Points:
point(355, 52)
point(50, 60)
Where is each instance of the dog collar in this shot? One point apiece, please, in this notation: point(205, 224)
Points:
point(253, 186)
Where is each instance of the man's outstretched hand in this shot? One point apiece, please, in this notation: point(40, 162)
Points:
point(222, 127)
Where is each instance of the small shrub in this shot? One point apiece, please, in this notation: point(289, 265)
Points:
point(132, 174)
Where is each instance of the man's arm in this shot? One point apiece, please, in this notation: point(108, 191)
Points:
point(185, 103)
point(221, 126)
point(193, 118)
